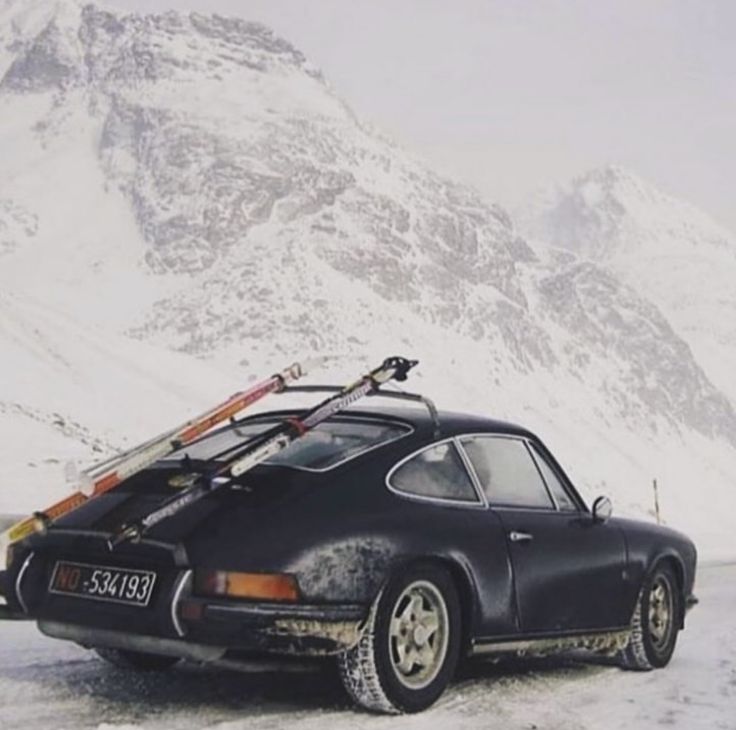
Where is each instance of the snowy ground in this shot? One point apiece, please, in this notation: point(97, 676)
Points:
point(52, 685)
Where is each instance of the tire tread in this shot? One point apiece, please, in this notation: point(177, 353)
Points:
point(634, 655)
point(359, 673)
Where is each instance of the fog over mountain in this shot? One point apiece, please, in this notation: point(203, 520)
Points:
point(189, 201)
point(676, 255)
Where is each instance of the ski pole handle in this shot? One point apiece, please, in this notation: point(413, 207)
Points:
point(394, 368)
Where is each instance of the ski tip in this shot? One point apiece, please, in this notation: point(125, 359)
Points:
point(4, 545)
point(42, 522)
point(303, 367)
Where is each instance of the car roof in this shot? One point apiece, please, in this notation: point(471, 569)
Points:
point(451, 422)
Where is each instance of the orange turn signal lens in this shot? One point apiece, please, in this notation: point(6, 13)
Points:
point(256, 586)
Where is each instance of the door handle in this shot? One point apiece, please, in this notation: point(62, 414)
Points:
point(515, 536)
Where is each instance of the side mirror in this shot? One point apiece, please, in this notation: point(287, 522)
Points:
point(602, 509)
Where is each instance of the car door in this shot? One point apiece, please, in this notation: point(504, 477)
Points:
point(568, 570)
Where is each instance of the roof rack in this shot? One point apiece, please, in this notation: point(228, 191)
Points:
point(394, 394)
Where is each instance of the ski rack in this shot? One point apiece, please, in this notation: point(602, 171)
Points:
point(271, 442)
point(393, 394)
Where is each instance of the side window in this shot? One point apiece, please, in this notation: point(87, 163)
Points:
point(437, 472)
point(564, 501)
point(507, 472)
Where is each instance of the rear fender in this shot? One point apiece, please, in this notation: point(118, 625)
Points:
point(357, 571)
point(349, 570)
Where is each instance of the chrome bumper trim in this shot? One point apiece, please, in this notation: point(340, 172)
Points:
point(286, 611)
point(184, 584)
point(19, 582)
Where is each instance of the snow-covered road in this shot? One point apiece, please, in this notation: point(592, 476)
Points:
point(48, 685)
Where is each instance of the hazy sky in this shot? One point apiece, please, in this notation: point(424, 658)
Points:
point(510, 94)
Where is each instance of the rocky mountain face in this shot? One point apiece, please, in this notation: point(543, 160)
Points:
point(665, 248)
point(192, 181)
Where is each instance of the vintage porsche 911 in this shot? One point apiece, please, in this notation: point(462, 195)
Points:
point(397, 539)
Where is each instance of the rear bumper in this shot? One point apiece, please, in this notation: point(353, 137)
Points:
point(175, 618)
point(217, 631)
point(177, 622)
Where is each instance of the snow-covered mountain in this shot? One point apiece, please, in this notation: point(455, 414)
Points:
point(194, 183)
point(71, 393)
point(667, 249)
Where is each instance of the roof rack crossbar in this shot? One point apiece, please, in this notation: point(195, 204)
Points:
point(394, 394)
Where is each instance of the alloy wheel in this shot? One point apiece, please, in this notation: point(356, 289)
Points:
point(661, 612)
point(418, 635)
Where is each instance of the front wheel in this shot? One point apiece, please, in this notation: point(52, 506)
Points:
point(656, 622)
point(410, 646)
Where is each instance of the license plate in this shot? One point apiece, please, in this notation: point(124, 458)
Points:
point(117, 585)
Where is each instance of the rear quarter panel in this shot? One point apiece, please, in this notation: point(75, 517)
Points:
point(343, 533)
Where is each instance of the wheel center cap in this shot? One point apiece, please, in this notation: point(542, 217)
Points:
point(420, 635)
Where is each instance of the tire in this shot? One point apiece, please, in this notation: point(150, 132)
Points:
point(410, 647)
point(126, 659)
point(656, 622)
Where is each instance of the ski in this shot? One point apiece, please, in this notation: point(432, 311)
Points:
point(108, 474)
point(267, 445)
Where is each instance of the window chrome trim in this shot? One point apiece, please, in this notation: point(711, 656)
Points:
point(539, 457)
point(478, 503)
point(551, 495)
point(512, 508)
point(471, 471)
point(480, 492)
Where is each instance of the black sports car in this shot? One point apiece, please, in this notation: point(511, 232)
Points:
point(398, 540)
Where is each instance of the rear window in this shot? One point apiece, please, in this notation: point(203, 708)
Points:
point(324, 447)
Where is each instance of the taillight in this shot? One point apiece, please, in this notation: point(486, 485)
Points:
point(256, 586)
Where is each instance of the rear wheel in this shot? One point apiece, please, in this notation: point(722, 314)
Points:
point(126, 659)
point(656, 622)
point(411, 644)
